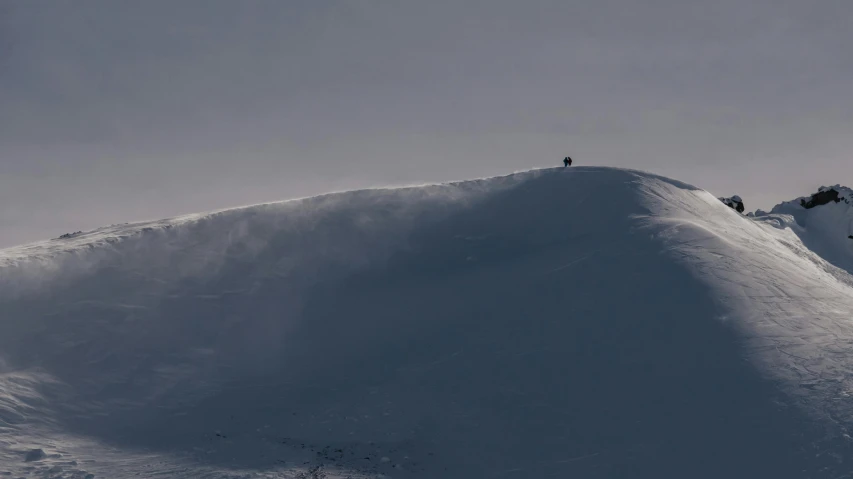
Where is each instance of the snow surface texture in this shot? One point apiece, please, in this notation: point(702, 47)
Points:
point(584, 322)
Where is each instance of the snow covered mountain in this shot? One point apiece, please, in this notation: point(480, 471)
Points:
point(823, 221)
point(583, 322)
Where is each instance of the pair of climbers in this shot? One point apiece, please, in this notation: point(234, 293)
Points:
point(567, 161)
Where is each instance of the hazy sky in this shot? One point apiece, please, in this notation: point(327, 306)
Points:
point(119, 110)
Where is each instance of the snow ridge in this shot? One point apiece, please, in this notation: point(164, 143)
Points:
point(583, 322)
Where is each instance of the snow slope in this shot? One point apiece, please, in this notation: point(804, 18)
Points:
point(826, 229)
point(584, 322)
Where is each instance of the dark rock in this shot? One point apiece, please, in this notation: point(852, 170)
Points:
point(35, 455)
point(735, 202)
point(823, 197)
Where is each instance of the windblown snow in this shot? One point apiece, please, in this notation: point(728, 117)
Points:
point(583, 322)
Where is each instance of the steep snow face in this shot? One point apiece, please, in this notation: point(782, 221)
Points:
point(588, 322)
point(823, 222)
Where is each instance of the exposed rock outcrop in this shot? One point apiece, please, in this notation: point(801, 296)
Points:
point(826, 195)
point(735, 202)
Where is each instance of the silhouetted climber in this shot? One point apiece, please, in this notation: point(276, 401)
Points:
point(567, 161)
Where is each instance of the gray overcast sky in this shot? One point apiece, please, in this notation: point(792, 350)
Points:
point(118, 110)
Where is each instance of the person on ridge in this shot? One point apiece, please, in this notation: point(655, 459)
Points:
point(567, 161)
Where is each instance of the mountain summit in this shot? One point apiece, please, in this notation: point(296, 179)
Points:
point(583, 322)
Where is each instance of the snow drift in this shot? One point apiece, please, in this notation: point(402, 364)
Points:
point(589, 322)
